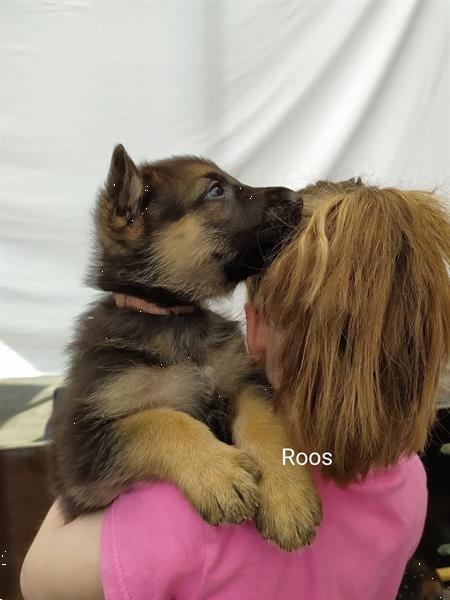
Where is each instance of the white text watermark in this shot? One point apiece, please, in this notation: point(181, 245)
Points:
point(291, 457)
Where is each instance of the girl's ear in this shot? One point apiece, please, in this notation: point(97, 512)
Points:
point(256, 332)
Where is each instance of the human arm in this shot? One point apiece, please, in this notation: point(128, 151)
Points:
point(63, 561)
point(149, 543)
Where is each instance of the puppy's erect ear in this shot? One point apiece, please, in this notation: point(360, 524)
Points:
point(124, 184)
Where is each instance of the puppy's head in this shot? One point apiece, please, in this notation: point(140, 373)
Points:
point(183, 229)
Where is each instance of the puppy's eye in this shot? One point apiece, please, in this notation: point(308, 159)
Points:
point(215, 191)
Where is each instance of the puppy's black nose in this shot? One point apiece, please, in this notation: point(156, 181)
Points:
point(285, 205)
point(277, 194)
point(282, 196)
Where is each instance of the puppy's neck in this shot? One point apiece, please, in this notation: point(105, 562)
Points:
point(151, 308)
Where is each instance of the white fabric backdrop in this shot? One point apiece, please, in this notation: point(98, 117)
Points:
point(278, 93)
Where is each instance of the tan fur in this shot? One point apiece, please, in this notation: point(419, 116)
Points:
point(114, 230)
point(186, 241)
point(178, 386)
point(231, 363)
point(136, 188)
point(167, 444)
point(130, 232)
point(184, 251)
point(288, 503)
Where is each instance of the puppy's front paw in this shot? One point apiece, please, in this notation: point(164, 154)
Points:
point(226, 489)
point(289, 507)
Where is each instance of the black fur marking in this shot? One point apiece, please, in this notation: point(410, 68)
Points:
point(172, 211)
point(217, 413)
point(252, 255)
point(214, 176)
point(96, 446)
point(120, 274)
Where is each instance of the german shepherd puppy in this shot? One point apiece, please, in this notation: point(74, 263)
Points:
point(159, 386)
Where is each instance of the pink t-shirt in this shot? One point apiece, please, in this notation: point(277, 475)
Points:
point(154, 546)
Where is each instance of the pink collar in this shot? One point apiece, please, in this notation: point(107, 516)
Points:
point(124, 301)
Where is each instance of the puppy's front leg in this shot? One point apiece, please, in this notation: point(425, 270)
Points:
point(289, 507)
point(219, 480)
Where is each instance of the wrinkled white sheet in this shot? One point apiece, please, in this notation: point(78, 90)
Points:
point(278, 93)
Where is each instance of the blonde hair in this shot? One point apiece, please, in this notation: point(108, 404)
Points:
point(361, 297)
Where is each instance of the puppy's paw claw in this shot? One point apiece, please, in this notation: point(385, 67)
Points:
point(227, 490)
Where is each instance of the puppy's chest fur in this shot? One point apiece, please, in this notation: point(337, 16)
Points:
point(124, 361)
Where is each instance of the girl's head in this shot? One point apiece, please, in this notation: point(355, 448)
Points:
point(353, 323)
